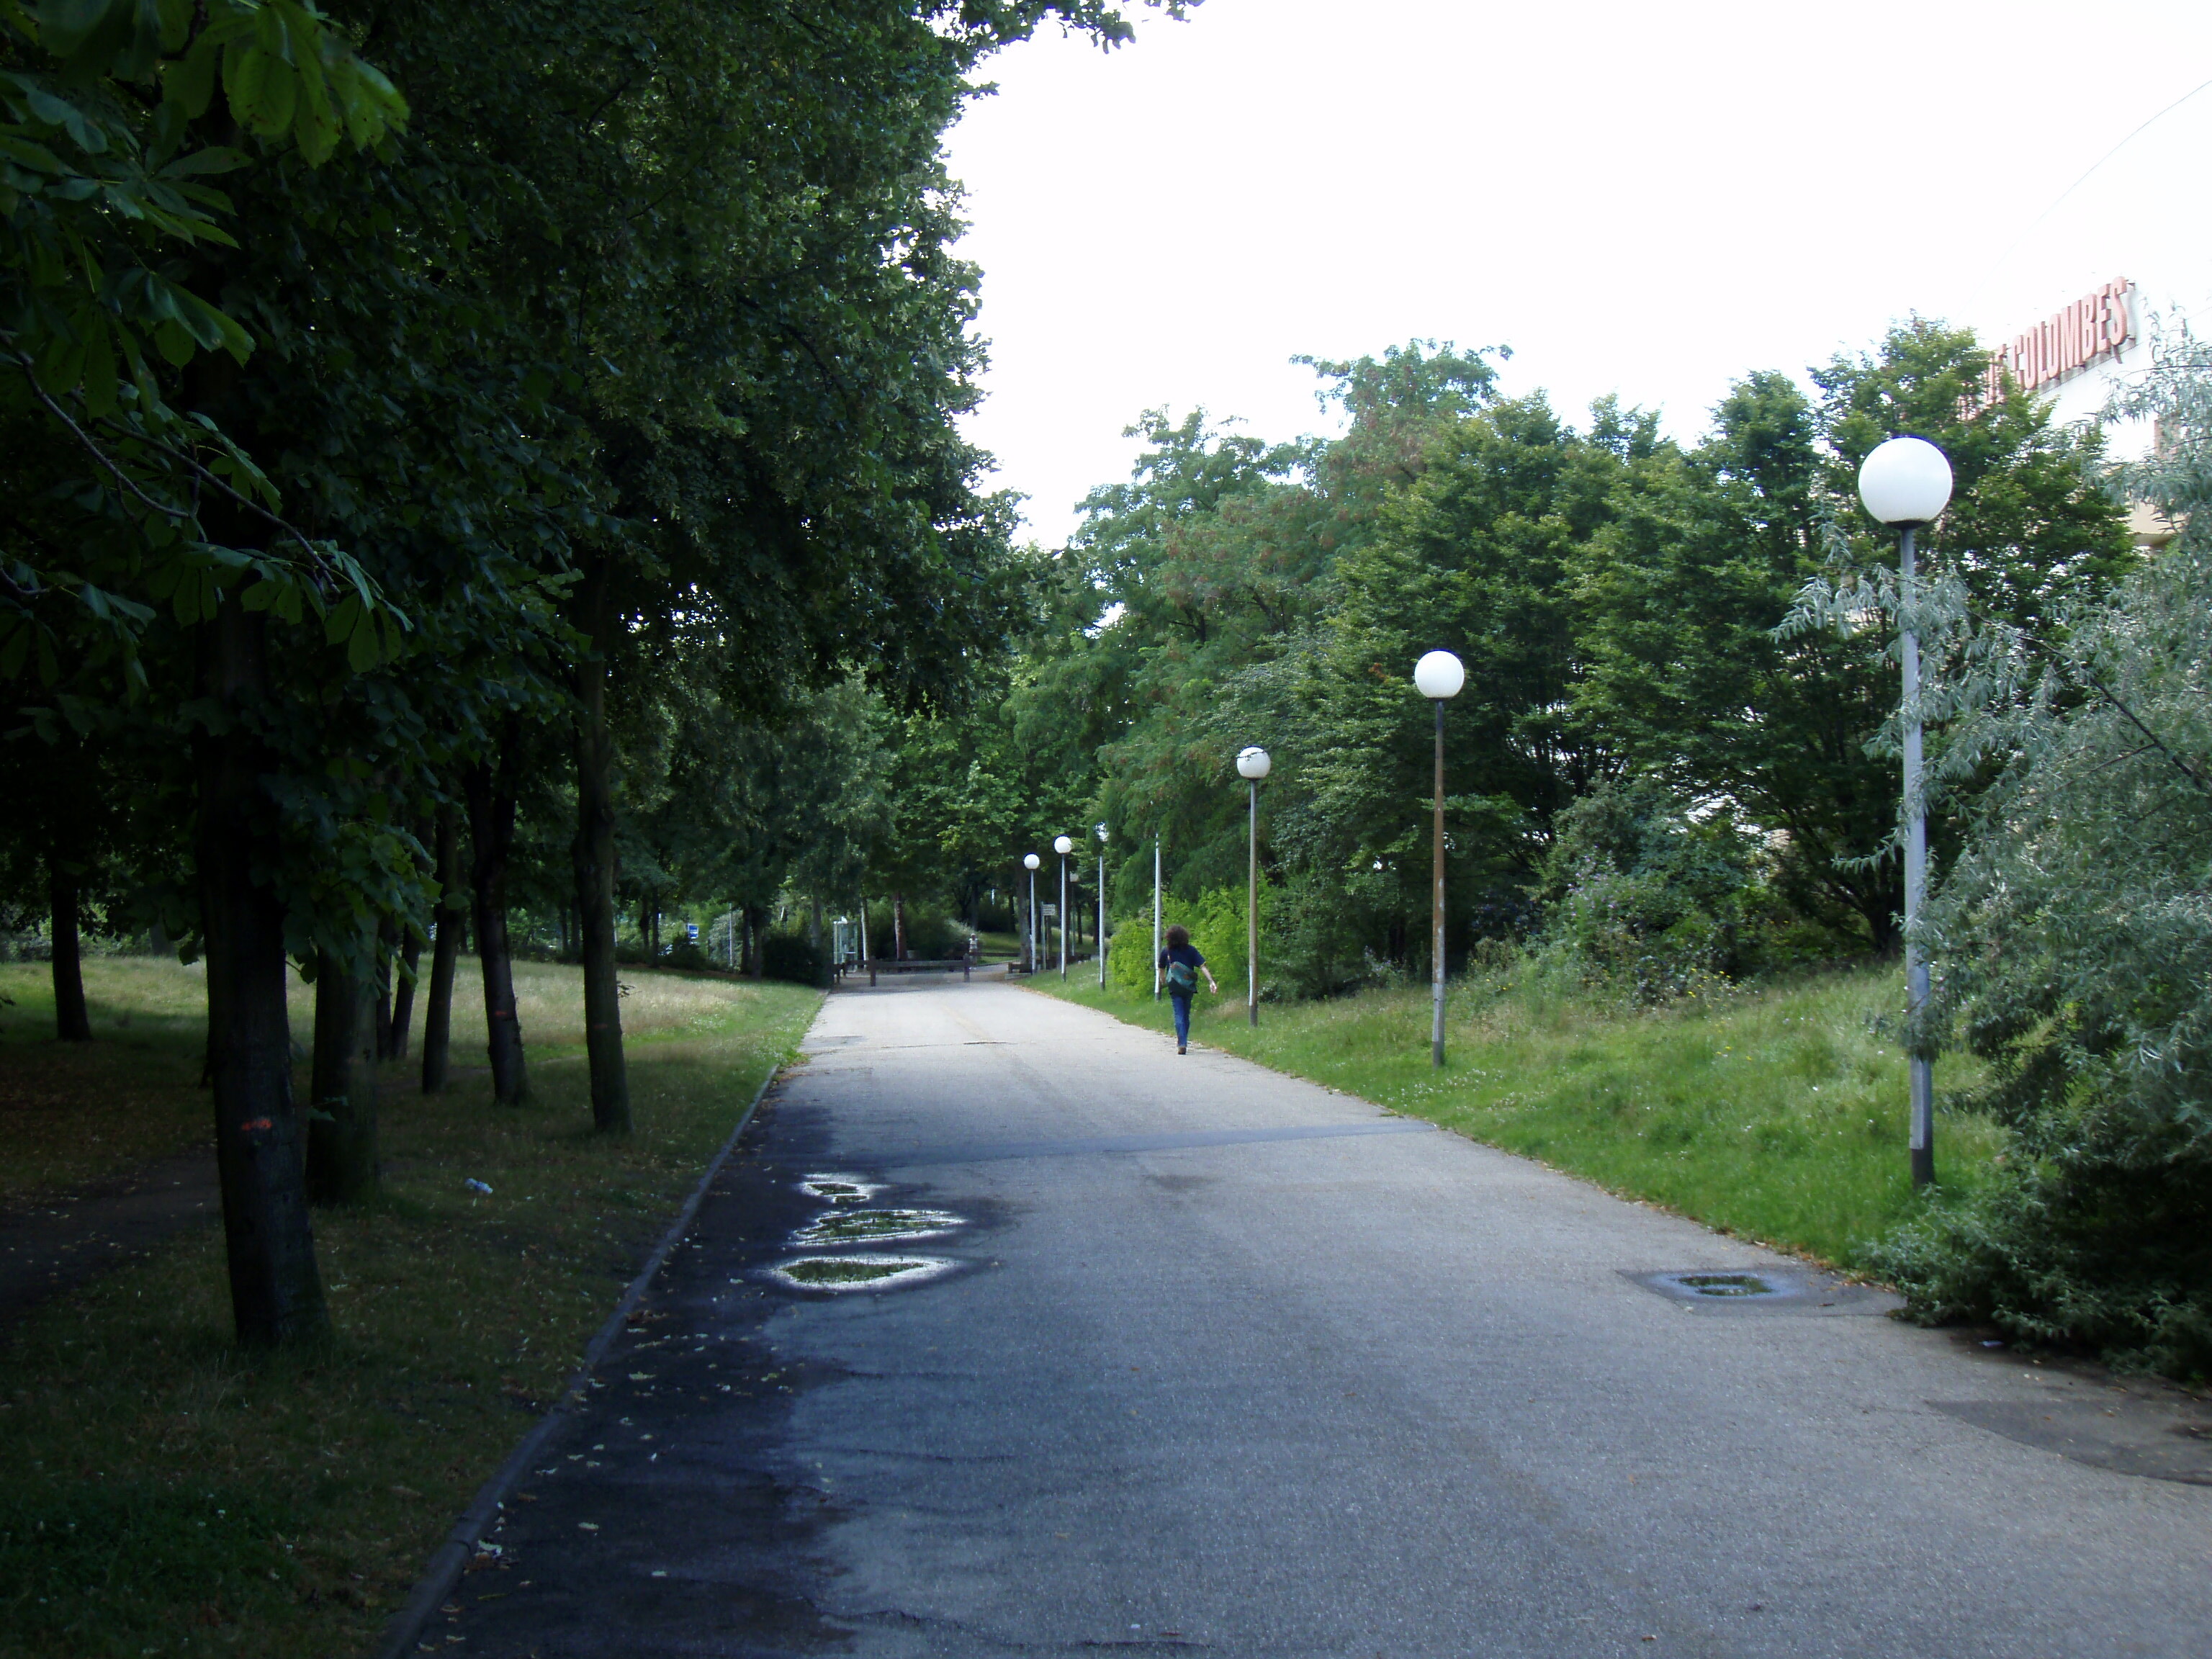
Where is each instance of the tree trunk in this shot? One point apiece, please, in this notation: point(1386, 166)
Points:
point(341, 1162)
point(754, 919)
point(72, 1022)
point(276, 1291)
point(445, 953)
point(898, 927)
point(403, 997)
point(594, 862)
point(491, 838)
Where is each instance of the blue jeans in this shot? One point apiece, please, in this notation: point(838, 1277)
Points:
point(1182, 1019)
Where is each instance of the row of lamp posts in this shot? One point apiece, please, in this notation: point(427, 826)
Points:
point(1439, 676)
point(1064, 845)
point(1905, 483)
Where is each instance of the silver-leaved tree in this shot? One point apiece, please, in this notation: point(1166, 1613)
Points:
point(2074, 933)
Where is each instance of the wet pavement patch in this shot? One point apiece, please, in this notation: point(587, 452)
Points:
point(1764, 1290)
point(688, 1417)
point(856, 1272)
point(839, 1188)
point(862, 1226)
point(2158, 1441)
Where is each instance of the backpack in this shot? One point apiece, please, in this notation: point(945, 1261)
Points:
point(1182, 977)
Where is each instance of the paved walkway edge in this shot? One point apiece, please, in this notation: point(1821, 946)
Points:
point(452, 1558)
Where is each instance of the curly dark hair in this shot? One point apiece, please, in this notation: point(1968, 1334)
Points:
point(1178, 936)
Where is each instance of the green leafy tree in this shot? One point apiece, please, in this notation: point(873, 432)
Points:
point(1474, 557)
point(1225, 557)
point(1689, 673)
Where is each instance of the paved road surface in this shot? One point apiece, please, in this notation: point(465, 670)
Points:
point(1229, 1363)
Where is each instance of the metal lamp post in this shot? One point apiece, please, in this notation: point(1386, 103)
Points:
point(1029, 862)
point(1063, 846)
point(1905, 484)
point(1102, 907)
point(1156, 917)
point(1252, 765)
point(1439, 677)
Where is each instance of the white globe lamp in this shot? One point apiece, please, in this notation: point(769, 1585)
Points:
point(1253, 763)
point(1439, 675)
point(1905, 481)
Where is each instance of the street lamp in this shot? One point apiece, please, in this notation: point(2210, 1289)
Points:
point(1029, 862)
point(1905, 482)
point(1252, 765)
point(1439, 677)
point(1063, 846)
point(1102, 907)
point(1155, 915)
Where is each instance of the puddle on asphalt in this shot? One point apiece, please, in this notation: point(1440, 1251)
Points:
point(856, 1272)
point(861, 1226)
point(1725, 1284)
point(839, 1188)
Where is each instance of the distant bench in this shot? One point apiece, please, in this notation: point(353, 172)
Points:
point(918, 965)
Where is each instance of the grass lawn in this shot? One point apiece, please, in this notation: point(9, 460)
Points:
point(72, 1111)
point(160, 1494)
point(1777, 1114)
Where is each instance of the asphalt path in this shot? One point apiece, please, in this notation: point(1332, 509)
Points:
point(1216, 1359)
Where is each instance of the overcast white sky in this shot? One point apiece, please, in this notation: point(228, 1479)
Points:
point(1640, 198)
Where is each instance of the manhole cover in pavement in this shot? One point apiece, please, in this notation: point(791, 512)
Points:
point(1727, 1284)
point(1762, 1289)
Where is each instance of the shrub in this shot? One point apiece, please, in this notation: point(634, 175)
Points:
point(1217, 924)
point(1314, 930)
point(792, 956)
point(1644, 899)
point(1129, 952)
point(2074, 951)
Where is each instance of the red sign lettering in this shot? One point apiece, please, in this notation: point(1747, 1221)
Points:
point(2095, 326)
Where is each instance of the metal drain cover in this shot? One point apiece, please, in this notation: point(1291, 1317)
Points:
point(1727, 1285)
point(1764, 1290)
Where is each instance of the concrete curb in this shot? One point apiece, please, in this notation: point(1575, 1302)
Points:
point(452, 1558)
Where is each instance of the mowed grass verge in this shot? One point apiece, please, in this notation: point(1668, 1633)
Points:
point(1775, 1112)
point(163, 1493)
point(71, 1112)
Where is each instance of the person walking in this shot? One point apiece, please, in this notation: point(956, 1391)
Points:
point(1180, 966)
